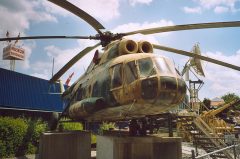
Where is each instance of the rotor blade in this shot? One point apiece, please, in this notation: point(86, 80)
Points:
point(46, 37)
point(186, 27)
point(72, 62)
point(80, 13)
point(186, 53)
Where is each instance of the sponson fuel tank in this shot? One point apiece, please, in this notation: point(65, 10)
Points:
point(86, 107)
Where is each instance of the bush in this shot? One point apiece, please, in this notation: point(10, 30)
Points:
point(40, 127)
point(72, 126)
point(2, 149)
point(106, 126)
point(77, 126)
point(12, 132)
point(93, 139)
point(19, 136)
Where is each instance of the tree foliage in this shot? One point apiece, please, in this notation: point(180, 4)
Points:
point(19, 136)
point(207, 102)
point(230, 97)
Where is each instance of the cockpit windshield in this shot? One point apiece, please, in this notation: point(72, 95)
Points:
point(164, 66)
point(146, 67)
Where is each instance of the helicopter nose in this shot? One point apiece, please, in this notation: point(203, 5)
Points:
point(149, 88)
point(163, 90)
point(168, 83)
point(182, 87)
point(172, 90)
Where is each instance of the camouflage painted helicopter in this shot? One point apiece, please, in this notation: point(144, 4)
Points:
point(126, 80)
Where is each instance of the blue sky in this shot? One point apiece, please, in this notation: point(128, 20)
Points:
point(35, 17)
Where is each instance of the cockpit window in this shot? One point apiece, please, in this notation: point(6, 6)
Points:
point(163, 66)
point(117, 76)
point(130, 72)
point(146, 67)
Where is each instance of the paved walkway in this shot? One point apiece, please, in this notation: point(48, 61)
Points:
point(35, 156)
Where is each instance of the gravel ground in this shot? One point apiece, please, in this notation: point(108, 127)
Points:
point(187, 148)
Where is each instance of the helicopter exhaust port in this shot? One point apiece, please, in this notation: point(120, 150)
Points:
point(127, 47)
point(145, 47)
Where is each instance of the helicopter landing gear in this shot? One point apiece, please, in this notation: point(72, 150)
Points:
point(138, 127)
point(53, 122)
point(133, 128)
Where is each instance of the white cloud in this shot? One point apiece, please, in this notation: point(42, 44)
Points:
point(134, 2)
point(153, 38)
point(41, 75)
point(197, 10)
point(54, 9)
point(62, 56)
point(220, 9)
point(16, 17)
point(213, 3)
point(218, 6)
point(219, 79)
point(28, 47)
point(105, 10)
point(42, 69)
point(138, 26)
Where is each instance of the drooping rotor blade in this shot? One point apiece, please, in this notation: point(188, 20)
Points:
point(186, 53)
point(80, 13)
point(185, 27)
point(72, 62)
point(45, 37)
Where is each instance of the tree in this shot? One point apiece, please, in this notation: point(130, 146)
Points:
point(230, 97)
point(207, 102)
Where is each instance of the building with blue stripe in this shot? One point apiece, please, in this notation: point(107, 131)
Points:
point(26, 93)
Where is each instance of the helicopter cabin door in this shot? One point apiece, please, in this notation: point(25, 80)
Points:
point(116, 73)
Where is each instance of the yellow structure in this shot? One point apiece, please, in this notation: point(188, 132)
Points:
point(219, 126)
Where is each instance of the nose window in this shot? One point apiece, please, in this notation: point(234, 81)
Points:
point(146, 67)
point(117, 76)
point(163, 66)
point(130, 72)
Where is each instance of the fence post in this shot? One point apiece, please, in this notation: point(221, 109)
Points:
point(196, 147)
point(170, 125)
point(193, 154)
point(234, 150)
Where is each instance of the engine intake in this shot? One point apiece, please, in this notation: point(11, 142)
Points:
point(145, 47)
point(127, 47)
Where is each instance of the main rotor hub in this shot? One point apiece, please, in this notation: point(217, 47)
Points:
point(107, 37)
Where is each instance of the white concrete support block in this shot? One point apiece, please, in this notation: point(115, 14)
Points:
point(65, 145)
point(112, 147)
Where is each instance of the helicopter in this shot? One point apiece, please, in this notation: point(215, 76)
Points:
point(126, 79)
